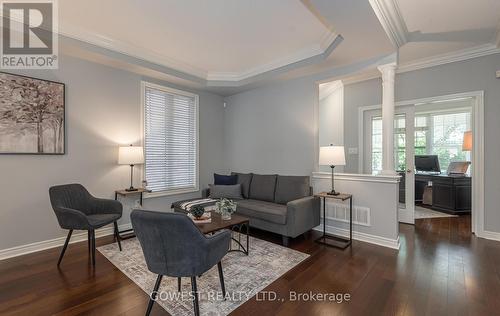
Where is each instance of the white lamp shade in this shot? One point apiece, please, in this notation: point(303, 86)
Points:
point(130, 155)
point(331, 156)
point(467, 144)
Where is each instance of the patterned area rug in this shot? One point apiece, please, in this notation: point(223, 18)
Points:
point(244, 276)
point(422, 212)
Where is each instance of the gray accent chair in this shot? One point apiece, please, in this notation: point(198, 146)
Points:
point(76, 208)
point(175, 247)
point(280, 204)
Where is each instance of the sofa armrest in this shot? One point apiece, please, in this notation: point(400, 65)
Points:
point(302, 215)
point(205, 193)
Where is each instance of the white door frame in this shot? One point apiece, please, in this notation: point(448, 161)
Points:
point(477, 157)
point(406, 214)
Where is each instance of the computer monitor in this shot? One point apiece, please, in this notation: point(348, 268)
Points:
point(427, 163)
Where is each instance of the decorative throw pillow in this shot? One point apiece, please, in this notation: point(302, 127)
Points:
point(289, 188)
point(244, 179)
point(220, 179)
point(232, 192)
point(262, 187)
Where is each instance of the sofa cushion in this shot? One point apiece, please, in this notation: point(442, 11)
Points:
point(225, 191)
point(267, 211)
point(244, 179)
point(289, 188)
point(220, 179)
point(262, 187)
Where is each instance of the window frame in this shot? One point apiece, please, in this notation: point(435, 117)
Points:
point(166, 89)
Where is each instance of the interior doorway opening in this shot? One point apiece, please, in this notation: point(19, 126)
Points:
point(438, 153)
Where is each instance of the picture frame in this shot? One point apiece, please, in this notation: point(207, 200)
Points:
point(32, 116)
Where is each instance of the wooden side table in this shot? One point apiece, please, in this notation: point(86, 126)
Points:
point(333, 240)
point(125, 193)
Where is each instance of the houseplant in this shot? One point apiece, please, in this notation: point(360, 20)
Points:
point(225, 208)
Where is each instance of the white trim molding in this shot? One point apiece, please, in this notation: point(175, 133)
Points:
point(391, 19)
point(432, 61)
point(451, 57)
point(490, 235)
point(56, 242)
point(372, 239)
point(358, 177)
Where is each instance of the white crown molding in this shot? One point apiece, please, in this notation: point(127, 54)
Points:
point(469, 53)
point(130, 50)
point(281, 62)
point(474, 52)
point(328, 88)
point(317, 50)
point(56, 242)
point(389, 15)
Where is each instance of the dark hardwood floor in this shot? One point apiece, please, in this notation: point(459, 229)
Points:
point(441, 269)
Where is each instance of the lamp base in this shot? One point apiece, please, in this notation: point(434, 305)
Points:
point(333, 192)
point(131, 189)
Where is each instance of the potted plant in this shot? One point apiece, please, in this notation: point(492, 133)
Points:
point(197, 211)
point(225, 208)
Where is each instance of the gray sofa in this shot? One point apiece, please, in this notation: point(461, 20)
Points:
point(279, 204)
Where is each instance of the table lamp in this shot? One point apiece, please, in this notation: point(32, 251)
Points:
point(332, 156)
point(467, 144)
point(131, 155)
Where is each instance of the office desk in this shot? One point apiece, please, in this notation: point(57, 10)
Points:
point(450, 194)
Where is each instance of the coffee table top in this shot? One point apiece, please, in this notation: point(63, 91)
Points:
point(218, 223)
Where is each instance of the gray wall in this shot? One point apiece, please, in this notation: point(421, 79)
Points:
point(102, 111)
point(272, 129)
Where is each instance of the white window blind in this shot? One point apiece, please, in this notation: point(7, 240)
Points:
point(171, 139)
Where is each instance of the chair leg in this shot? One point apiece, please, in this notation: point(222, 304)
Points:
point(64, 247)
point(117, 235)
point(195, 294)
point(89, 237)
point(153, 294)
point(178, 284)
point(221, 278)
point(93, 246)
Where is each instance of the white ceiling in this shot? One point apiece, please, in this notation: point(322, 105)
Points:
point(228, 46)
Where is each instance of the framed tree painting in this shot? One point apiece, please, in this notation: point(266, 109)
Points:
point(32, 116)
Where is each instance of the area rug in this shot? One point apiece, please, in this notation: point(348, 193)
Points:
point(244, 276)
point(422, 212)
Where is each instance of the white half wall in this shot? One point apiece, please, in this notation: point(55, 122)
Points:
point(374, 195)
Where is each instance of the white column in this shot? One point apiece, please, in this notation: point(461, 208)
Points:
point(388, 74)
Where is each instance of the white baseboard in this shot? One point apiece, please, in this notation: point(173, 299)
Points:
point(56, 242)
point(372, 239)
point(489, 235)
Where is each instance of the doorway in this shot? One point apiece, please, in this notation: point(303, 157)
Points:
point(403, 154)
point(432, 126)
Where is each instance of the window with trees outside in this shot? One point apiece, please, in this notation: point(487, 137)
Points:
point(436, 133)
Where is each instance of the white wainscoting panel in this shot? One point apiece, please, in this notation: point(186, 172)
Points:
point(375, 206)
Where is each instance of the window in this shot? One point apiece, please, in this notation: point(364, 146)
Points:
point(436, 133)
point(399, 143)
point(170, 139)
